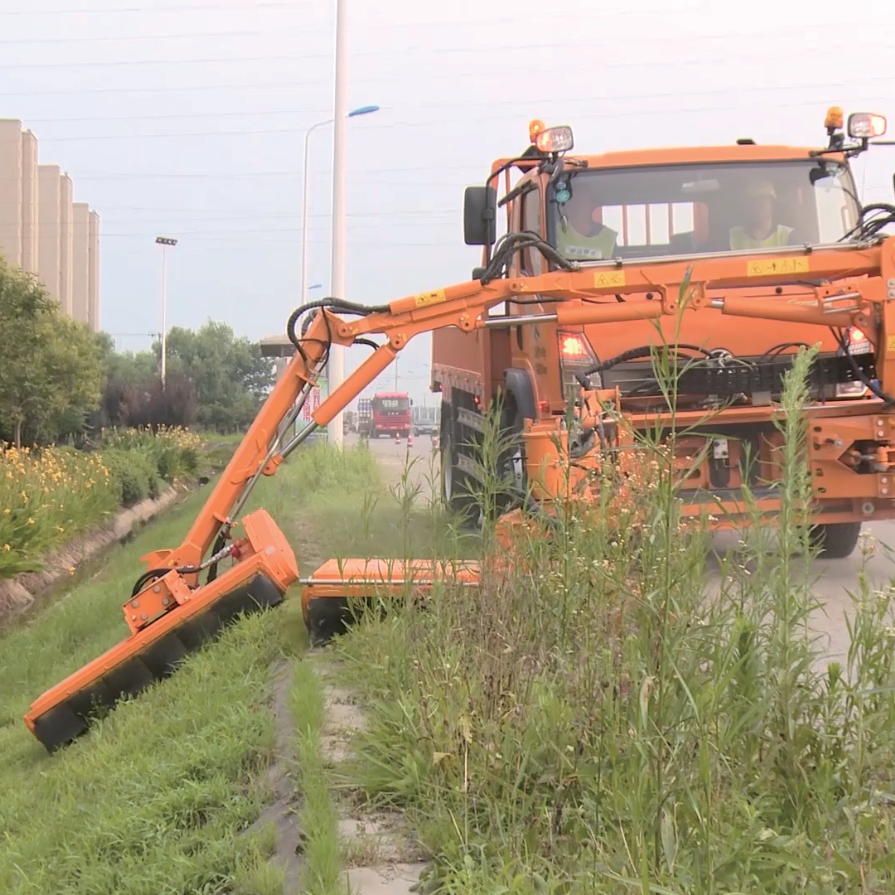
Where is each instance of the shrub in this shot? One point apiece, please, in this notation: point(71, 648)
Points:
point(174, 452)
point(134, 473)
point(49, 496)
point(46, 498)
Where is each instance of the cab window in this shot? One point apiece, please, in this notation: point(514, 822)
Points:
point(716, 207)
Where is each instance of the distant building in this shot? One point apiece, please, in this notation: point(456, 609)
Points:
point(42, 230)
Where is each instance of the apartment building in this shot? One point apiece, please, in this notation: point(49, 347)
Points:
point(43, 230)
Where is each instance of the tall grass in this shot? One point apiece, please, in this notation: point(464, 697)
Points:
point(596, 719)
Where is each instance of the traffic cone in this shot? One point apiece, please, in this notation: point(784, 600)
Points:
point(410, 438)
point(397, 437)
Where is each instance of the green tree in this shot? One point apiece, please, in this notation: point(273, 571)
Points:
point(230, 376)
point(50, 368)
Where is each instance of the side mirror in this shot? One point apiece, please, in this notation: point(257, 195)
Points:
point(411, 402)
point(480, 215)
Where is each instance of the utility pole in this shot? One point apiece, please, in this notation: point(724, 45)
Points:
point(336, 367)
point(164, 242)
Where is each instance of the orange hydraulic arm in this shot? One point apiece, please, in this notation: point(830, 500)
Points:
point(847, 298)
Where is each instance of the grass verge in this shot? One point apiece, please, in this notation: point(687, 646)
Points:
point(158, 798)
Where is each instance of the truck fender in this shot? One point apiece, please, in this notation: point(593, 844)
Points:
point(520, 387)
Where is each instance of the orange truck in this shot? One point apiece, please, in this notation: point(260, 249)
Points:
point(620, 211)
point(771, 249)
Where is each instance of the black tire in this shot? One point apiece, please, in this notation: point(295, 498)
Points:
point(836, 540)
point(512, 462)
point(454, 481)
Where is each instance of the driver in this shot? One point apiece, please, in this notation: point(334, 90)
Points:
point(580, 235)
point(759, 229)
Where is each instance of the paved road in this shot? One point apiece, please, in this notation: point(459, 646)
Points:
point(419, 457)
point(835, 577)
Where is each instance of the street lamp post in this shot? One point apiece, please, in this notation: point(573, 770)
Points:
point(335, 364)
point(164, 242)
point(362, 110)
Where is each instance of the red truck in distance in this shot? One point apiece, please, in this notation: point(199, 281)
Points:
point(391, 414)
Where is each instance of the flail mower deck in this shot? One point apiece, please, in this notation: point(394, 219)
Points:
point(327, 596)
point(258, 581)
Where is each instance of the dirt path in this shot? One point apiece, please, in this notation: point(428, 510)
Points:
point(381, 856)
point(283, 811)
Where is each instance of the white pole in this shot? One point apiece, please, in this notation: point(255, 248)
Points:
point(306, 204)
point(336, 368)
point(304, 223)
point(164, 313)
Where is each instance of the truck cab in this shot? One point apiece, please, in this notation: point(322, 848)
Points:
point(628, 208)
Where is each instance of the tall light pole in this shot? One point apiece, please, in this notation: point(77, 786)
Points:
point(336, 365)
point(164, 242)
point(305, 193)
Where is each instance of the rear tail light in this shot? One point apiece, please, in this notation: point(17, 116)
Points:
point(575, 351)
point(857, 343)
point(575, 356)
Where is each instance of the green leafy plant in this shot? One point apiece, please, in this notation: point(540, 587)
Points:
point(602, 716)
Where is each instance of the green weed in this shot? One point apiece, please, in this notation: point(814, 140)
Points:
point(596, 719)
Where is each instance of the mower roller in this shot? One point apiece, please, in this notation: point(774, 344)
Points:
point(171, 612)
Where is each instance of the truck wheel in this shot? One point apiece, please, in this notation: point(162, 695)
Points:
point(836, 540)
point(512, 462)
point(453, 480)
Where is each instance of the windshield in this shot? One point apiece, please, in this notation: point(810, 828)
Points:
point(393, 405)
point(716, 207)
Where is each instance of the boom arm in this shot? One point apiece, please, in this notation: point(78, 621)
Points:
point(857, 288)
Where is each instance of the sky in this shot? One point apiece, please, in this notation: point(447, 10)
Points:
point(187, 119)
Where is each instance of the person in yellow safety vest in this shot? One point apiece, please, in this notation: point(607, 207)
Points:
point(759, 230)
point(580, 237)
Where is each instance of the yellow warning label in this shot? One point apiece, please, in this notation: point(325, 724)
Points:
point(430, 298)
point(610, 278)
point(776, 266)
point(890, 343)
